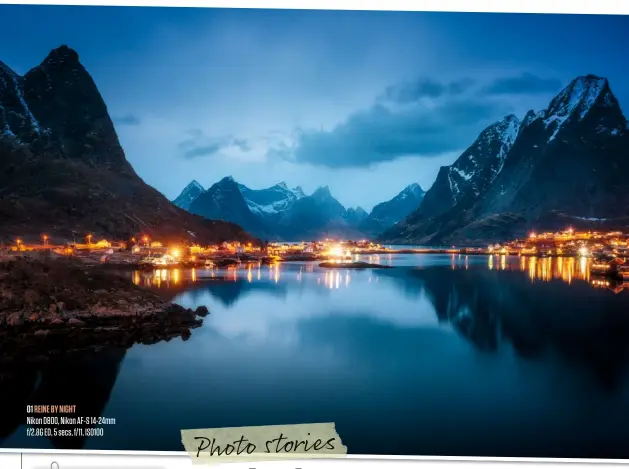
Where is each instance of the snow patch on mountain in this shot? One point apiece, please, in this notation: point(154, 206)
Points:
point(575, 99)
point(280, 195)
point(463, 174)
point(270, 209)
point(9, 79)
point(412, 190)
point(488, 151)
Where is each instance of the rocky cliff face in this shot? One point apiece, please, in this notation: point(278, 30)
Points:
point(567, 164)
point(63, 171)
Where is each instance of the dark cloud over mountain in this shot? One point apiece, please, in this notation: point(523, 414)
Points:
point(423, 118)
point(526, 83)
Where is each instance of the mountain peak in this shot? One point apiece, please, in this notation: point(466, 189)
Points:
point(414, 187)
point(529, 117)
point(194, 184)
point(227, 179)
point(580, 94)
point(322, 191)
point(587, 95)
point(282, 184)
point(62, 55)
point(188, 195)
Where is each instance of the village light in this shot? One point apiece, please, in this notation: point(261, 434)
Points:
point(176, 252)
point(336, 251)
point(583, 251)
point(45, 238)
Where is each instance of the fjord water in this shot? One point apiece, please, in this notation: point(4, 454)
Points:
point(443, 355)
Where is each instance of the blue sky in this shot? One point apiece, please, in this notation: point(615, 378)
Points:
point(364, 102)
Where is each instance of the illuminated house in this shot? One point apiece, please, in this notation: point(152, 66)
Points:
point(159, 259)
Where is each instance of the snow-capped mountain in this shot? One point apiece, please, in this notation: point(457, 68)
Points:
point(567, 162)
point(386, 214)
point(275, 213)
point(272, 201)
point(189, 195)
point(578, 99)
point(283, 213)
point(471, 174)
point(225, 201)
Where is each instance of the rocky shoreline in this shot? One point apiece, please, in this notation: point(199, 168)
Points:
point(54, 306)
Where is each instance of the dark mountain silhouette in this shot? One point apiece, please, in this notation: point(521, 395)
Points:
point(64, 172)
point(565, 165)
point(386, 214)
point(224, 201)
point(356, 216)
point(188, 195)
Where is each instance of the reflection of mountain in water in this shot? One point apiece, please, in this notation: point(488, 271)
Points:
point(585, 325)
point(85, 381)
point(228, 292)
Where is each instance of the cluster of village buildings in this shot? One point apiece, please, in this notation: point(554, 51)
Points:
point(150, 251)
point(567, 243)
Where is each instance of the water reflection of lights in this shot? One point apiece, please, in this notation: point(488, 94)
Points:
point(335, 279)
point(542, 269)
point(547, 268)
point(537, 268)
point(160, 277)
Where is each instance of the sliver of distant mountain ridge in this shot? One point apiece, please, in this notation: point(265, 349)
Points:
point(565, 165)
point(63, 171)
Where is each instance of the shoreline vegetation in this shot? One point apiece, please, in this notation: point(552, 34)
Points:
point(56, 306)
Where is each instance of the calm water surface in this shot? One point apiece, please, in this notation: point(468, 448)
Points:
point(443, 355)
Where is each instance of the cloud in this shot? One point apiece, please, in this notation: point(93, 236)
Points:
point(420, 118)
point(128, 119)
point(242, 144)
point(410, 92)
point(380, 134)
point(198, 145)
point(526, 83)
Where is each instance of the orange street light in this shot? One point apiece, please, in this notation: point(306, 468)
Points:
point(45, 238)
point(89, 239)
